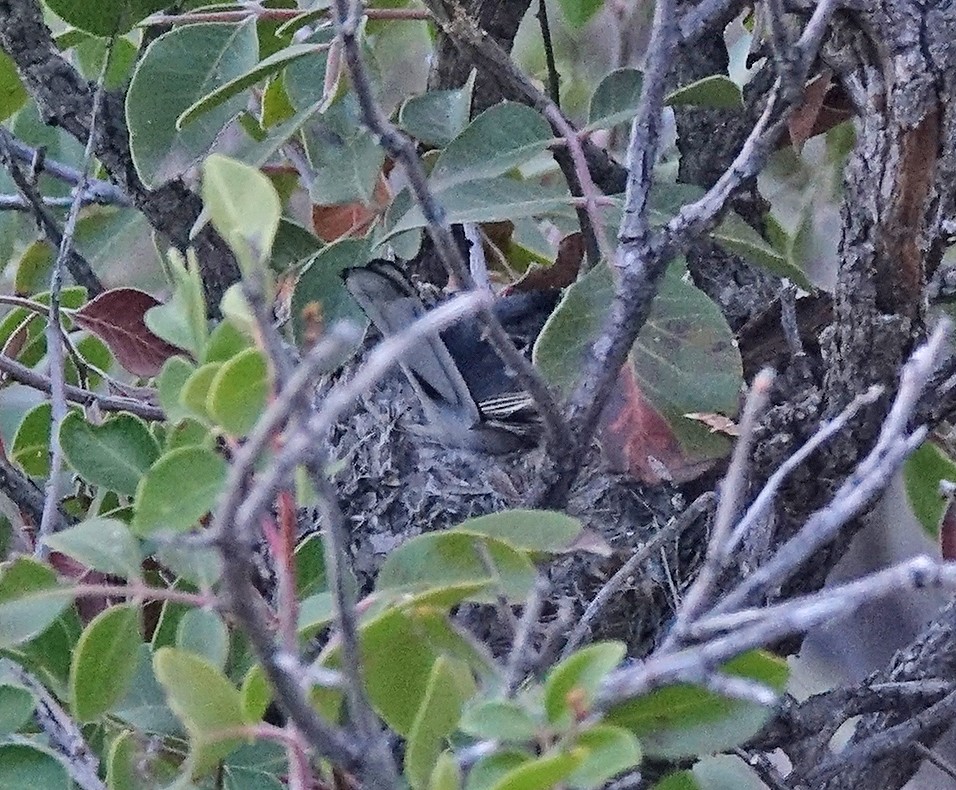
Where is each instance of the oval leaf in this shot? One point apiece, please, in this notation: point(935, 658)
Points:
point(239, 392)
point(243, 206)
point(455, 560)
point(923, 471)
point(528, 530)
point(30, 600)
point(178, 490)
point(104, 661)
point(103, 544)
point(25, 766)
point(713, 91)
point(178, 69)
point(573, 683)
point(115, 454)
point(502, 137)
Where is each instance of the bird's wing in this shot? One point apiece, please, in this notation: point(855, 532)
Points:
point(392, 304)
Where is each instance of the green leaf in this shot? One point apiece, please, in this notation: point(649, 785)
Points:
point(243, 206)
point(437, 117)
point(195, 392)
point(12, 93)
point(615, 99)
point(176, 371)
point(315, 612)
point(527, 530)
point(923, 471)
point(499, 719)
point(347, 159)
point(399, 648)
point(685, 359)
point(16, 707)
point(182, 320)
point(487, 771)
point(177, 70)
point(450, 685)
point(103, 544)
point(679, 780)
point(304, 80)
point(23, 766)
point(445, 775)
point(489, 200)
point(445, 560)
point(263, 69)
point(203, 632)
point(713, 91)
point(321, 283)
point(104, 18)
point(541, 772)
point(199, 567)
point(256, 694)
point(610, 751)
point(736, 236)
point(239, 392)
point(179, 489)
point(309, 559)
point(572, 684)
point(579, 12)
point(121, 762)
point(104, 661)
point(683, 719)
point(501, 138)
point(30, 600)
point(115, 454)
point(225, 342)
point(144, 707)
point(31, 443)
point(206, 702)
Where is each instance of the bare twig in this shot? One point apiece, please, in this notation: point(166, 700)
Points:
point(29, 377)
point(54, 340)
point(97, 191)
point(78, 266)
point(522, 643)
point(893, 739)
point(771, 624)
point(765, 498)
point(732, 492)
point(554, 79)
point(65, 736)
point(892, 446)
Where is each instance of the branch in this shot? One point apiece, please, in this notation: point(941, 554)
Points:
point(66, 100)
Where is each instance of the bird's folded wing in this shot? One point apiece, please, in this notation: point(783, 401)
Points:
point(392, 305)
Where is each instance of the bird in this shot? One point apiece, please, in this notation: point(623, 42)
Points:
point(469, 398)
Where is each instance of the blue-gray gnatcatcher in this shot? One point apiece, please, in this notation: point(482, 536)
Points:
point(469, 398)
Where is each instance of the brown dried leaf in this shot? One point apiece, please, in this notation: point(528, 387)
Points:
point(717, 423)
point(562, 273)
point(117, 318)
point(350, 219)
point(803, 120)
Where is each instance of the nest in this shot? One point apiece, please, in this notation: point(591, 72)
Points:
point(394, 484)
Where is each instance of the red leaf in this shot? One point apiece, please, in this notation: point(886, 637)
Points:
point(117, 318)
point(638, 441)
